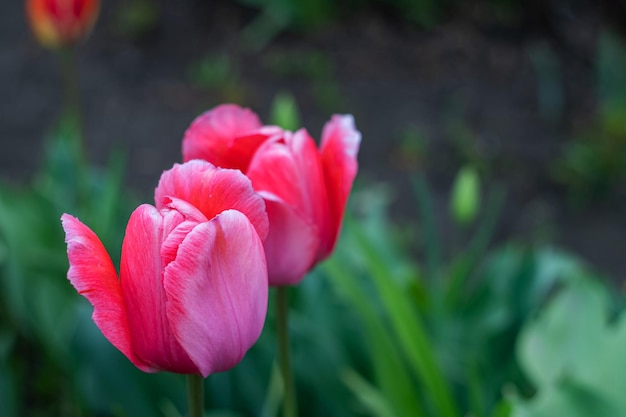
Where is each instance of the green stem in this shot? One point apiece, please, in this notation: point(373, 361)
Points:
point(71, 92)
point(195, 395)
point(73, 129)
point(282, 321)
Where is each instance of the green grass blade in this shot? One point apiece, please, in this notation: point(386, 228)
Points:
point(390, 371)
point(467, 261)
point(428, 222)
point(409, 330)
point(370, 397)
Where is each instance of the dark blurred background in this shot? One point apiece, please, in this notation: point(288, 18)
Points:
point(531, 93)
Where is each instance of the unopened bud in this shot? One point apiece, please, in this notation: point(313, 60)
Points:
point(465, 196)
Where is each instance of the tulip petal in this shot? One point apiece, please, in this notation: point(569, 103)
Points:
point(93, 275)
point(186, 209)
point(289, 168)
point(212, 190)
point(287, 172)
point(338, 150)
point(179, 218)
point(291, 244)
point(144, 296)
point(223, 137)
point(217, 291)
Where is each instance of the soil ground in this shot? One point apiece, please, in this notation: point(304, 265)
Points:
point(473, 76)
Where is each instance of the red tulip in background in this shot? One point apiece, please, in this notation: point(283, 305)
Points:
point(192, 293)
point(305, 188)
point(59, 23)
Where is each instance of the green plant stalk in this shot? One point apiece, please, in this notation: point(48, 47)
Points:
point(73, 115)
point(432, 245)
point(282, 322)
point(410, 332)
point(469, 259)
point(390, 372)
point(195, 395)
point(71, 92)
point(425, 211)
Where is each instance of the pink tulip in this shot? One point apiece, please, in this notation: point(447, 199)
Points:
point(192, 291)
point(305, 188)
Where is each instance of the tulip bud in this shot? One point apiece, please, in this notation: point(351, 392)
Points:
point(465, 196)
point(285, 112)
point(59, 23)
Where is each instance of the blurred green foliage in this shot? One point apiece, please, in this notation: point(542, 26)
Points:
point(219, 73)
point(412, 149)
point(593, 163)
point(312, 68)
point(573, 352)
point(441, 338)
point(276, 16)
point(137, 19)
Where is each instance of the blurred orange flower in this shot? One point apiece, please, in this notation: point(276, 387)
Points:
point(58, 23)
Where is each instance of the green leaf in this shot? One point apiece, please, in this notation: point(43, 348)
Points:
point(409, 329)
point(391, 372)
point(574, 355)
point(274, 395)
point(427, 220)
point(567, 333)
point(371, 398)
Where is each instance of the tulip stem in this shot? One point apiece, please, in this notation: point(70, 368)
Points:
point(73, 110)
point(282, 321)
point(72, 126)
point(195, 395)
